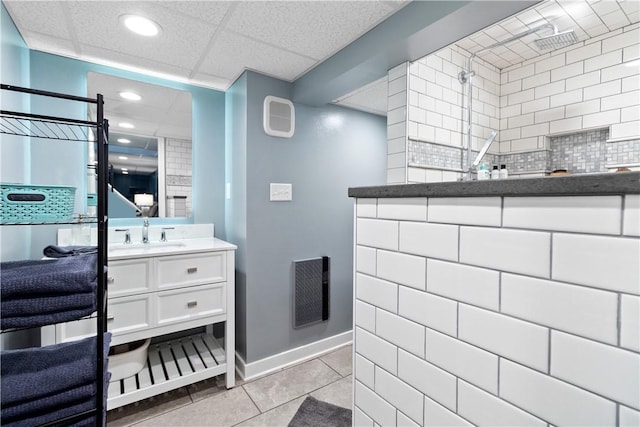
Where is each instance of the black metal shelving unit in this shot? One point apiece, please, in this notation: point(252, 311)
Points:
point(74, 130)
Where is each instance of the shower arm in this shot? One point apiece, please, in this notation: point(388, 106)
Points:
point(465, 77)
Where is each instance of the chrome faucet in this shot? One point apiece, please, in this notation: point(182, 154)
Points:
point(127, 235)
point(163, 235)
point(145, 231)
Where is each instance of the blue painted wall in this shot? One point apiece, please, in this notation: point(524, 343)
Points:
point(236, 204)
point(333, 148)
point(14, 154)
point(14, 150)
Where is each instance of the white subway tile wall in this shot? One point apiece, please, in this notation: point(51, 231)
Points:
point(630, 322)
point(582, 73)
point(587, 364)
point(521, 320)
point(595, 215)
point(591, 84)
point(629, 417)
point(398, 98)
point(484, 409)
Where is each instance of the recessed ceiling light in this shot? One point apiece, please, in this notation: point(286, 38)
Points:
point(125, 172)
point(126, 125)
point(123, 158)
point(130, 96)
point(140, 25)
point(124, 141)
point(124, 169)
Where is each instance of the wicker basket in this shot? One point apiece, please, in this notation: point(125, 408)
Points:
point(36, 203)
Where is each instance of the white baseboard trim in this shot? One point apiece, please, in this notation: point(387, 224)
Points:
point(250, 371)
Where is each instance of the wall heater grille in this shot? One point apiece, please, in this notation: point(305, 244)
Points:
point(310, 291)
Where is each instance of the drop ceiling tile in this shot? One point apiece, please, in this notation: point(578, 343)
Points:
point(325, 26)
point(211, 12)
point(43, 17)
point(182, 40)
point(232, 53)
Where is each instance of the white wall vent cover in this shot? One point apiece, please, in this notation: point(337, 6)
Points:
point(279, 117)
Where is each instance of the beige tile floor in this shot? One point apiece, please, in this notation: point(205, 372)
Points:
point(270, 401)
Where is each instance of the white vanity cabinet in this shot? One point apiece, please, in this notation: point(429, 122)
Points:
point(165, 290)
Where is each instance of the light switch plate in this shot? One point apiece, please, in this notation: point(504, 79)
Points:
point(280, 192)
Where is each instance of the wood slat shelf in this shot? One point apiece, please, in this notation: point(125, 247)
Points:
point(170, 365)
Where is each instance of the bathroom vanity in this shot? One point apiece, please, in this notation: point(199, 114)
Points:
point(161, 288)
point(508, 302)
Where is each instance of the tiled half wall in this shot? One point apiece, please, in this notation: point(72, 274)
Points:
point(497, 311)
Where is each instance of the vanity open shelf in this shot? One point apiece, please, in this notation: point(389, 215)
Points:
point(170, 365)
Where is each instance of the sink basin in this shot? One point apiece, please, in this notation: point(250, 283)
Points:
point(114, 247)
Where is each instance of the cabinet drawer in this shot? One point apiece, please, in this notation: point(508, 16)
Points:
point(192, 303)
point(124, 315)
point(189, 270)
point(128, 314)
point(128, 277)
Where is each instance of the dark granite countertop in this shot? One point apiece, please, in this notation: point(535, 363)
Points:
point(566, 185)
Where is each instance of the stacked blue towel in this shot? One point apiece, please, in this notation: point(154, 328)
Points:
point(41, 292)
point(48, 383)
point(53, 251)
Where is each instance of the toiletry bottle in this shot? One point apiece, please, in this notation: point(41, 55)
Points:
point(495, 173)
point(504, 173)
point(483, 172)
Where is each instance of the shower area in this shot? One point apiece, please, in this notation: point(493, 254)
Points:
point(542, 97)
point(556, 40)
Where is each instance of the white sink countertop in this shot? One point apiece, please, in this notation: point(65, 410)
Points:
point(175, 247)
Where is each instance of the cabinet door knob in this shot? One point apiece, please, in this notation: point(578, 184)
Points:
point(192, 304)
point(192, 270)
point(110, 317)
point(110, 280)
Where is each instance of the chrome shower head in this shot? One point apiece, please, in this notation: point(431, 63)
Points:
point(557, 40)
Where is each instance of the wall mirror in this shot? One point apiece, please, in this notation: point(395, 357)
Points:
point(149, 145)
